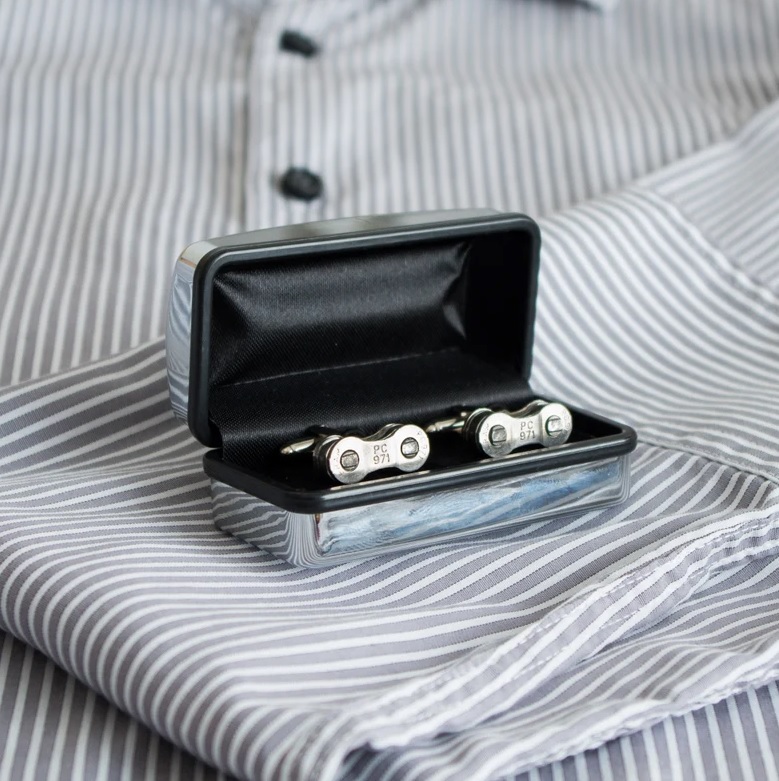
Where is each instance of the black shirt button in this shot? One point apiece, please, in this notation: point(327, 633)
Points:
point(301, 183)
point(297, 43)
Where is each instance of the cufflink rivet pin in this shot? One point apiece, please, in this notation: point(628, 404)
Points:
point(554, 426)
point(350, 460)
point(498, 435)
point(409, 447)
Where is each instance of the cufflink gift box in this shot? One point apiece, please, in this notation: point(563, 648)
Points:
point(354, 324)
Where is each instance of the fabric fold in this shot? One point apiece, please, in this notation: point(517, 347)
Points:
point(467, 660)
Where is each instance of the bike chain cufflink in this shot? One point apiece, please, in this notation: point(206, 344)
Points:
point(500, 433)
point(349, 459)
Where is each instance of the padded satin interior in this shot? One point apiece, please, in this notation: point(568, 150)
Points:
point(352, 341)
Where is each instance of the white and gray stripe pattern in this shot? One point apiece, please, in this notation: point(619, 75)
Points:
point(146, 126)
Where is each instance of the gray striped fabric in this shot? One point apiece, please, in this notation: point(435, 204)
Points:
point(609, 637)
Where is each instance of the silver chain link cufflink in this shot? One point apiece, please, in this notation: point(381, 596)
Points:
point(349, 459)
point(500, 433)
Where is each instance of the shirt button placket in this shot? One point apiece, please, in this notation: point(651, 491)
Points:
point(299, 182)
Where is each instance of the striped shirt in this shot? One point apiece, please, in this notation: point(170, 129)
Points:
point(641, 641)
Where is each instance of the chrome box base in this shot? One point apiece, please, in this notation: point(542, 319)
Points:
point(405, 524)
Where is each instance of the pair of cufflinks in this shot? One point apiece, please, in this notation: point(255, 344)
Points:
point(349, 459)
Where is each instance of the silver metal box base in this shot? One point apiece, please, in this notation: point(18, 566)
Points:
point(405, 524)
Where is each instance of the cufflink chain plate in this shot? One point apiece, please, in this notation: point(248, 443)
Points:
point(500, 433)
point(349, 459)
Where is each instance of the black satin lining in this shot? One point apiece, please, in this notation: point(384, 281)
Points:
point(354, 341)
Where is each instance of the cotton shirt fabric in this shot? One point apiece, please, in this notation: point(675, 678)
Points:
point(639, 641)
